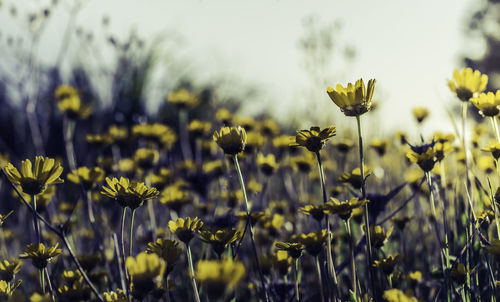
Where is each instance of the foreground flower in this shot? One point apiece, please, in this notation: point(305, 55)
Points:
point(219, 277)
point(34, 180)
point(232, 140)
point(343, 208)
point(313, 139)
point(185, 228)
point(425, 160)
point(128, 194)
point(166, 249)
point(40, 255)
point(353, 100)
point(146, 272)
point(219, 239)
point(487, 103)
point(467, 82)
point(88, 177)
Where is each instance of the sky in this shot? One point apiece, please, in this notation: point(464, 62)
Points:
point(409, 47)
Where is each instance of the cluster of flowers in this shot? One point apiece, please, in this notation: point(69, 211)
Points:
point(225, 209)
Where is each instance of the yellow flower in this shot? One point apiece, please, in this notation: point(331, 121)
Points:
point(232, 140)
point(40, 255)
point(219, 277)
point(166, 249)
point(36, 297)
point(282, 262)
point(182, 98)
point(314, 139)
point(267, 163)
point(343, 208)
point(118, 296)
point(199, 128)
point(65, 91)
point(303, 163)
point(117, 135)
point(353, 100)
point(344, 145)
point(486, 164)
point(224, 116)
point(316, 211)
point(294, 248)
point(74, 108)
point(487, 103)
point(396, 295)
point(185, 229)
point(146, 271)
point(86, 176)
point(420, 114)
point(34, 181)
point(387, 264)
point(353, 178)
point(77, 291)
point(146, 158)
point(458, 273)
point(8, 269)
point(425, 160)
point(156, 133)
point(378, 235)
point(128, 194)
point(313, 241)
point(380, 145)
point(175, 198)
point(6, 290)
point(494, 148)
point(219, 239)
point(467, 82)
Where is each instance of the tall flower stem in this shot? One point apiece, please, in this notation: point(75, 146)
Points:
point(495, 127)
point(36, 224)
point(351, 255)
point(122, 240)
point(69, 130)
point(191, 273)
point(296, 276)
point(365, 214)
point(131, 234)
point(468, 232)
point(42, 280)
point(254, 247)
point(320, 279)
point(184, 134)
point(329, 259)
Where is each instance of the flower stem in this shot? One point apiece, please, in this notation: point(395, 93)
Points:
point(184, 135)
point(122, 240)
point(468, 232)
point(365, 214)
point(69, 127)
point(36, 224)
point(42, 281)
point(131, 233)
point(254, 247)
point(191, 273)
point(296, 276)
point(329, 259)
point(351, 252)
point(320, 279)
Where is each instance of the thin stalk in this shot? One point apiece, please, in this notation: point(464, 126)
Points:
point(329, 259)
point(36, 224)
point(123, 277)
point(351, 255)
point(468, 188)
point(151, 210)
point(320, 279)
point(42, 281)
point(365, 214)
point(296, 276)
point(184, 135)
point(250, 227)
point(122, 240)
point(131, 233)
point(191, 273)
point(69, 127)
point(49, 284)
point(90, 211)
point(495, 126)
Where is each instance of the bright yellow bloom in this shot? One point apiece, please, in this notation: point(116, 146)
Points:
point(313, 139)
point(219, 239)
point(313, 241)
point(74, 108)
point(157, 133)
point(40, 255)
point(166, 249)
point(146, 272)
point(467, 82)
point(7, 290)
point(34, 181)
point(175, 197)
point(36, 297)
point(118, 296)
point(267, 163)
point(294, 248)
point(146, 158)
point(199, 128)
point(232, 140)
point(487, 103)
point(396, 295)
point(425, 160)
point(128, 194)
point(316, 211)
point(88, 177)
point(219, 277)
point(185, 229)
point(353, 100)
point(8, 269)
point(182, 98)
point(65, 91)
point(420, 114)
point(343, 208)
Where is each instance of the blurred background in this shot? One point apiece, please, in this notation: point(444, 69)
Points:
point(259, 58)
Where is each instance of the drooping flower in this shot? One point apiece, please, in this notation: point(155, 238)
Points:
point(467, 82)
point(353, 100)
point(232, 140)
point(35, 179)
point(313, 139)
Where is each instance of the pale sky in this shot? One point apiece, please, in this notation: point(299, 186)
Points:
point(410, 47)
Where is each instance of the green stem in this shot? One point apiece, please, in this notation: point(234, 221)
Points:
point(191, 273)
point(42, 281)
point(329, 259)
point(468, 188)
point(254, 247)
point(365, 214)
point(296, 276)
point(320, 279)
point(131, 233)
point(36, 225)
point(184, 134)
point(495, 126)
point(351, 255)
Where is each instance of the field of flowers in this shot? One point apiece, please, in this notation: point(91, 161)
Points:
point(236, 208)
